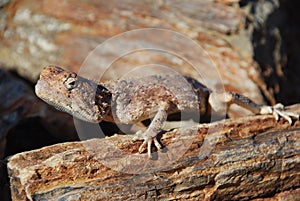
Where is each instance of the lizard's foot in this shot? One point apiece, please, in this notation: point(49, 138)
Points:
point(148, 141)
point(278, 111)
point(150, 135)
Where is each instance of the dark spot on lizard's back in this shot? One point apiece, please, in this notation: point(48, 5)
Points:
point(103, 99)
point(202, 92)
point(196, 84)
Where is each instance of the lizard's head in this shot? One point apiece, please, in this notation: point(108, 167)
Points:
point(73, 94)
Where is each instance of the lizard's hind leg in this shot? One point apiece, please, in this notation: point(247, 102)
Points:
point(156, 125)
point(218, 100)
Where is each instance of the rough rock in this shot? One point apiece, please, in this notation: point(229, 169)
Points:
point(247, 40)
point(246, 158)
point(18, 103)
point(23, 117)
point(64, 33)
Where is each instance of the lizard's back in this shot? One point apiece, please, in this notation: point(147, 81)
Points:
point(137, 99)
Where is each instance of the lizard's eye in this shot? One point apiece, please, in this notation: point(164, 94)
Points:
point(70, 83)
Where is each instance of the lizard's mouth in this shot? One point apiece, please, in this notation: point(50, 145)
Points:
point(83, 106)
point(40, 89)
point(44, 92)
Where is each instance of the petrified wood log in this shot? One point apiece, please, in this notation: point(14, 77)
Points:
point(237, 159)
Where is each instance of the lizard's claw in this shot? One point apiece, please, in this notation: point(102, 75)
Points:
point(278, 111)
point(148, 140)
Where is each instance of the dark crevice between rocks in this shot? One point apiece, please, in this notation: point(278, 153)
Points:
point(276, 41)
point(27, 135)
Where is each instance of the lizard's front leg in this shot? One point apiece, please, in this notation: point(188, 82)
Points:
point(150, 135)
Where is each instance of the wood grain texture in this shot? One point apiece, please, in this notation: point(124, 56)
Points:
point(246, 158)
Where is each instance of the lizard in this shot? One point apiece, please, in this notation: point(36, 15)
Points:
point(133, 100)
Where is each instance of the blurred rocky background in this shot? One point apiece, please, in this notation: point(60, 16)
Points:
point(254, 45)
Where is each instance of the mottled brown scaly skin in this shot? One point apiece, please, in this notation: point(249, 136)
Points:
point(130, 100)
point(136, 99)
point(75, 95)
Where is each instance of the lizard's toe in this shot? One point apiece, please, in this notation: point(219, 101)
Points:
point(148, 143)
point(283, 114)
point(278, 111)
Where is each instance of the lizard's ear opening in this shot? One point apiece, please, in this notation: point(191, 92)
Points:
point(103, 99)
